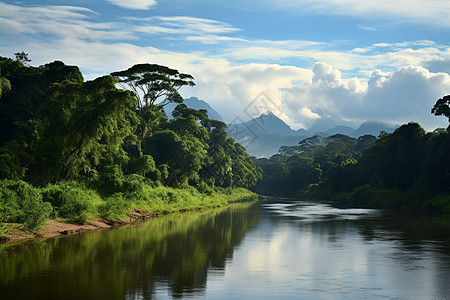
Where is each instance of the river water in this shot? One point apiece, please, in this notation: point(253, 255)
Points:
point(278, 249)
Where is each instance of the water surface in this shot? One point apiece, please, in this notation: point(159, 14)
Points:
point(264, 250)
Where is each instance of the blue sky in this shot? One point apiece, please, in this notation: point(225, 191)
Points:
point(320, 62)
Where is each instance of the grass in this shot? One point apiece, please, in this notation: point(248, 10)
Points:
point(77, 203)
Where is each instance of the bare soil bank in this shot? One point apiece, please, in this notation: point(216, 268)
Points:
point(53, 228)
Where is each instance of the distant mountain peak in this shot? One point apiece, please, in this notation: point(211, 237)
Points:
point(268, 113)
point(373, 128)
point(194, 102)
point(270, 123)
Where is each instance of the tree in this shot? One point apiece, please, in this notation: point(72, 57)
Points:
point(183, 155)
point(84, 124)
point(5, 86)
point(442, 107)
point(56, 126)
point(150, 83)
point(23, 58)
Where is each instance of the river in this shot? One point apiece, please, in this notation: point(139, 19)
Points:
point(279, 249)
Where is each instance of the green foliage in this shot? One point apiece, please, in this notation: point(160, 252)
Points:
point(22, 203)
point(164, 172)
point(72, 201)
point(142, 165)
point(91, 149)
point(154, 81)
point(205, 188)
point(10, 166)
point(408, 169)
point(115, 207)
point(59, 126)
point(5, 86)
point(439, 204)
point(22, 57)
point(300, 168)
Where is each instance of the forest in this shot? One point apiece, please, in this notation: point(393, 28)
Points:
point(76, 150)
point(407, 170)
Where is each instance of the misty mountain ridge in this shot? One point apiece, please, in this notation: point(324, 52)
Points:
point(268, 123)
point(264, 135)
point(194, 103)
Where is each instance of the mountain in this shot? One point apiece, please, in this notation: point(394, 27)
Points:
point(341, 129)
point(373, 128)
point(264, 135)
point(194, 103)
point(267, 123)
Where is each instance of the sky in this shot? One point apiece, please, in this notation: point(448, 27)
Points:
point(314, 63)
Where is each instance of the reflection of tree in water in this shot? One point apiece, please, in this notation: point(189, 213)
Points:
point(410, 232)
point(130, 262)
point(416, 243)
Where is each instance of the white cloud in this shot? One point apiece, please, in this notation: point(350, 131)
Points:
point(181, 26)
point(304, 96)
point(134, 4)
point(367, 28)
point(213, 39)
point(430, 12)
point(50, 23)
point(393, 97)
point(199, 24)
point(43, 23)
point(307, 113)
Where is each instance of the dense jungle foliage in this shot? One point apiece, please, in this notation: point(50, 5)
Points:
point(77, 149)
point(408, 169)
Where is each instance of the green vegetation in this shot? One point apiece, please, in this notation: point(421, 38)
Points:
point(76, 203)
point(406, 170)
point(77, 150)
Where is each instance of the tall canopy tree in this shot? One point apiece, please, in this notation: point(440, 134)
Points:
point(442, 107)
point(23, 58)
point(151, 83)
point(57, 126)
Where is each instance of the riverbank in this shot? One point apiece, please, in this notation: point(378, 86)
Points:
point(69, 209)
point(16, 232)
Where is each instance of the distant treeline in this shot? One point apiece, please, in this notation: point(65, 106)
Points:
point(59, 130)
point(408, 169)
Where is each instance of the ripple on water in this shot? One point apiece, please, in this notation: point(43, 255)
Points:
point(308, 211)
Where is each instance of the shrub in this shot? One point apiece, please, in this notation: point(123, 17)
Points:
point(439, 204)
point(362, 196)
point(115, 207)
point(204, 188)
point(110, 180)
point(72, 201)
point(20, 202)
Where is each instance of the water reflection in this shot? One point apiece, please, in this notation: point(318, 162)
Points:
point(171, 254)
point(316, 251)
point(276, 249)
point(310, 211)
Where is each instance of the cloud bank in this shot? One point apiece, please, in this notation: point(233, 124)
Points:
point(430, 12)
point(134, 4)
point(393, 97)
point(390, 82)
